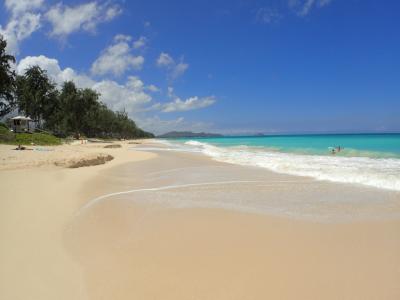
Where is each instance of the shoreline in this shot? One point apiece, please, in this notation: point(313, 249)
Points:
point(144, 248)
point(355, 167)
point(201, 171)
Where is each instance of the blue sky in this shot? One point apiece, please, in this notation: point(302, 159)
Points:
point(223, 66)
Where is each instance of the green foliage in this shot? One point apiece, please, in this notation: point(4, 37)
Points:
point(36, 94)
point(77, 106)
point(2, 125)
point(7, 80)
point(37, 139)
point(72, 111)
point(81, 113)
point(4, 130)
point(8, 137)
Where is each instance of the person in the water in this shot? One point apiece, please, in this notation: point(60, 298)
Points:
point(336, 149)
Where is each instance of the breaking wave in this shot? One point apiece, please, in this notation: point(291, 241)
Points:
point(375, 172)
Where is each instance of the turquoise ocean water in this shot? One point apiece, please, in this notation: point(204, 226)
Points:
point(367, 159)
point(367, 145)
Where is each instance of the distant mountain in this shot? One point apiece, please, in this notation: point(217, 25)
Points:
point(188, 134)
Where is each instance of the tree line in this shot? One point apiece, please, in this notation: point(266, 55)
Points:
point(66, 111)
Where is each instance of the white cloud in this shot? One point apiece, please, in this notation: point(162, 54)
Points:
point(140, 43)
point(165, 60)
point(158, 126)
point(322, 3)
point(177, 104)
point(303, 7)
point(49, 64)
point(25, 19)
point(122, 38)
point(267, 15)
point(68, 19)
point(188, 104)
point(112, 12)
point(135, 83)
point(170, 92)
point(17, 7)
point(175, 69)
point(54, 71)
point(306, 7)
point(19, 29)
point(23, 22)
point(152, 88)
point(117, 59)
point(179, 70)
point(129, 96)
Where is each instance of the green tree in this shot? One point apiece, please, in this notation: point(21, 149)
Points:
point(78, 106)
point(7, 80)
point(37, 95)
point(69, 97)
point(90, 104)
point(71, 110)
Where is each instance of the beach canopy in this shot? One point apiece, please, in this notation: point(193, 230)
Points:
point(22, 118)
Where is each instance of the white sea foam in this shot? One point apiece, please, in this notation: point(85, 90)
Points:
point(376, 172)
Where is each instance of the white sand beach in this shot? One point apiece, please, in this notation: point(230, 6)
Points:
point(187, 227)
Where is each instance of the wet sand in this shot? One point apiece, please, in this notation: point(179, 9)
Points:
point(187, 227)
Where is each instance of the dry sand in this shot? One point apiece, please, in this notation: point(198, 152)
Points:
point(38, 199)
point(57, 244)
point(70, 156)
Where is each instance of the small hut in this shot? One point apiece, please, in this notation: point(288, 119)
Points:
point(22, 124)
